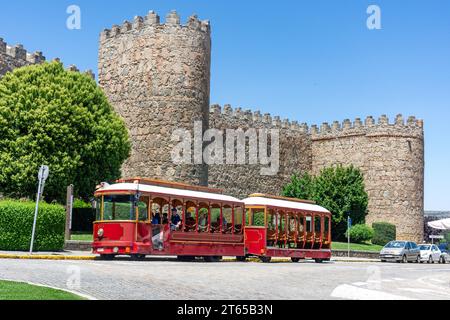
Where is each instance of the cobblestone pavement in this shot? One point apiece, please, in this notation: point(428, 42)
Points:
point(170, 279)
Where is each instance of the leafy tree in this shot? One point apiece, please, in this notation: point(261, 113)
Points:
point(360, 233)
point(60, 118)
point(339, 189)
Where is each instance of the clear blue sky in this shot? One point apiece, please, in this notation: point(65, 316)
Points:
point(311, 61)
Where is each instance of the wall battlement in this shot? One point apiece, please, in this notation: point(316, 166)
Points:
point(152, 20)
point(18, 52)
point(411, 128)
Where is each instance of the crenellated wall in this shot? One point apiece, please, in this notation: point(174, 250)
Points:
point(12, 57)
point(391, 156)
point(243, 179)
point(157, 76)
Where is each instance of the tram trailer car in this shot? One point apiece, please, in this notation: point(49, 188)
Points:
point(139, 217)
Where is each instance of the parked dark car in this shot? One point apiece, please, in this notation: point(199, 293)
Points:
point(400, 251)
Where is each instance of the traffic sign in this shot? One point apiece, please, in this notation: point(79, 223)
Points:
point(43, 173)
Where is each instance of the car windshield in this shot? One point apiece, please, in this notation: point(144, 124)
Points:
point(424, 247)
point(396, 244)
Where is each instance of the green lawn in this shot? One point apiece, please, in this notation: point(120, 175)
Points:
point(22, 291)
point(82, 236)
point(356, 247)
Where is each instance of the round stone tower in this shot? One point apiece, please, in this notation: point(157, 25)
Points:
point(157, 77)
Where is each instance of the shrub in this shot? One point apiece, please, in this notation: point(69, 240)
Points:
point(384, 232)
point(360, 233)
point(339, 189)
point(16, 224)
point(62, 119)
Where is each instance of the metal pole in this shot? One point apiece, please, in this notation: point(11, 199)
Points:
point(69, 205)
point(348, 235)
point(35, 216)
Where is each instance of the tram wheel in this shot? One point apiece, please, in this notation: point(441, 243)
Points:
point(318, 260)
point(295, 260)
point(107, 257)
point(241, 259)
point(138, 257)
point(186, 258)
point(265, 259)
point(212, 258)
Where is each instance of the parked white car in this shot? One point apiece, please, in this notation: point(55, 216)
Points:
point(430, 253)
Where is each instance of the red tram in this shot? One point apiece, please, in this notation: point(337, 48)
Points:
point(139, 217)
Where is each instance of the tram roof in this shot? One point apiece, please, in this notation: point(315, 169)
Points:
point(166, 191)
point(280, 203)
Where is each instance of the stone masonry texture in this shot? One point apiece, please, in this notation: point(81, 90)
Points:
point(157, 77)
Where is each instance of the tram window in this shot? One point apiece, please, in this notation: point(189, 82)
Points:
point(327, 225)
point(227, 219)
point(191, 219)
point(203, 220)
point(308, 224)
point(301, 225)
point(292, 223)
point(258, 217)
point(98, 209)
point(317, 224)
point(215, 217)
point(271, 220)
point(118, 207)
point(281, 223)
point(238, 219)
point(142, 210)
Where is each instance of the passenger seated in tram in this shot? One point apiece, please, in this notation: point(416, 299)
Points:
point(175, 222)
point(203, 222)
point(190, 222)
point(156, 218)
point(165, 219)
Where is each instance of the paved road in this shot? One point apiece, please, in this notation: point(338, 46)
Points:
point(167, 279)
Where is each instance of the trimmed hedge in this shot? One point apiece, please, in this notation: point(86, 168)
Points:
point(360, 233)
point(16, 224)
point(384, 232)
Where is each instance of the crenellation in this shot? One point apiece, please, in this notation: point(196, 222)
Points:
point(412, 121)
point(172, 18)
point(383, 120)
point(126, 26)
point(248, 115)
point(325, 128)
point(194, 23)
point(206, 26)
point(346, 124)
point(276, 121)
point(304, 128)
point(399, 121)
point(73, 68)
point(370, 121)
point(336, 126)
point(35, 58)
point(228, 110)
point(257, 116)
point(314, 129)
point(138, 22)
point(153, 18)
point(115, 30)
point(90, 73)
point(237, 113)
point(2, 46)
point(267, 118)
point(358, 123)
point(216, 109)
point(285, 124)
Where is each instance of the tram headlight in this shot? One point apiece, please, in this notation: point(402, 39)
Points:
point(100, 233)
point(116, 249)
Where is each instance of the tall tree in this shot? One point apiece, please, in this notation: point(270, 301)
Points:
point(60, 118)
point(339, 189)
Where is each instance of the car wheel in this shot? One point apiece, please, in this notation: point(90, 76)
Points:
point(417, 259)
point(405, 259)
point(430, 259)
point(441, 260)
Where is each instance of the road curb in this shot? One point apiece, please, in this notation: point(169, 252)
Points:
point(44, 257)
